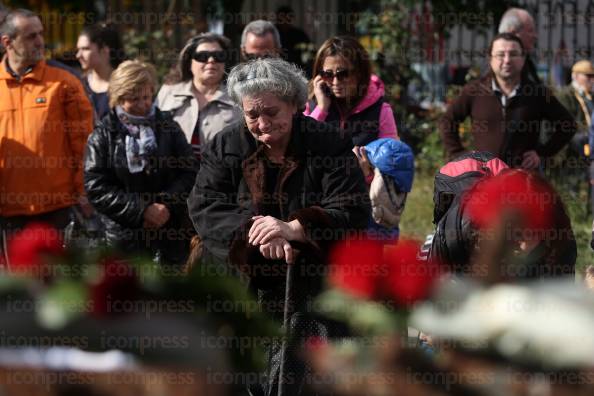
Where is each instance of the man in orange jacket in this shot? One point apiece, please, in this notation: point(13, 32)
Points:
point(45, 118)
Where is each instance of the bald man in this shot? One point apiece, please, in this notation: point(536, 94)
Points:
point(519, 22)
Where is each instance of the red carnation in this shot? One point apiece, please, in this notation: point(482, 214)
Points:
point(363, 269)
point(356, 266)
point(516, 193)
point(409, 278)
point(29, 248)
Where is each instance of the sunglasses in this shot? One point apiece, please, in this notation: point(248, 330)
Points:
point(204, 56)
point(329, 75)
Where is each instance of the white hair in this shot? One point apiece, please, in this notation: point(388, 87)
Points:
point(511, 21)
point(268, 75)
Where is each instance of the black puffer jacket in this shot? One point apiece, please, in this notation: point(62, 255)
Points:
point(121, 196)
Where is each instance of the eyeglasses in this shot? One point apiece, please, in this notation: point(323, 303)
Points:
point(340, 75)
point(204, 56)
point(511, 54)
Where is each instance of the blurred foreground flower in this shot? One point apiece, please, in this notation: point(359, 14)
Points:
point(75, 295)
point(356, 267)
point(371, 288)
point(117, 282)
point(30, 248)
point(396, 276)
point(545, 324)
point(515, 193)
point(409, 279)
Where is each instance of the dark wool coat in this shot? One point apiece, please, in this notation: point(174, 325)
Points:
point(320, 184)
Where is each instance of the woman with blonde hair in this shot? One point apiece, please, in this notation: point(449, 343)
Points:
point(138, 169)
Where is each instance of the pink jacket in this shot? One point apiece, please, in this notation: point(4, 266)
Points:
point(375, 90)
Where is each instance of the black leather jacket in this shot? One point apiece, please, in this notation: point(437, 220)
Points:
point(121, 196)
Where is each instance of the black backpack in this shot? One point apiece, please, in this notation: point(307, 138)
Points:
point(453, 238)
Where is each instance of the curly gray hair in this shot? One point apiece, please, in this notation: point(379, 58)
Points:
point(268, 75)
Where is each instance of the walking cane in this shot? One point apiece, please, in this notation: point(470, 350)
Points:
point(288, 282)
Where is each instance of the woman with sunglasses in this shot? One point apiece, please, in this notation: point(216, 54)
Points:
point(194, 91)
point(346, 94)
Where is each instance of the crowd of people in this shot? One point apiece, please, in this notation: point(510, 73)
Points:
point(260, 170)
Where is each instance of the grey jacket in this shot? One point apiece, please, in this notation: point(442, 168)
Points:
point(181, 102)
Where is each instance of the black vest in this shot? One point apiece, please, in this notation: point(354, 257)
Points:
point(363, 126)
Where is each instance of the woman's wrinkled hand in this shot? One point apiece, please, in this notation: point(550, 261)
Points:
point(278, 249)
point(155, 216)
point(265, 228)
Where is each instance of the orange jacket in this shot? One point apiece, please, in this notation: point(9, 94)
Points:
point(44, 123)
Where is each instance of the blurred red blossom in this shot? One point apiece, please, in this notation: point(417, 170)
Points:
point(29, 249)
point(116, 285)
point(356, 264)
point(516, 193)
point(409, 278)
point(397, 274)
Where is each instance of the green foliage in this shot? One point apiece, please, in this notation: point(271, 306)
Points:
point(417, 219)
point(389, 44)
point(154, 47)
point(430, 153)
point(577, 204)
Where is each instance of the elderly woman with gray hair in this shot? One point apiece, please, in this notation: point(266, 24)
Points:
point(277, 191)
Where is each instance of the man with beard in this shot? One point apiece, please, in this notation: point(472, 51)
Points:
point(45, 118)
point(507, 109)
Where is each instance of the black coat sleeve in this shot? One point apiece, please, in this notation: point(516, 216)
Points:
point(213, 202)
point(183, 164)
point(563, 124)
point(344, 204)
point(105, 192)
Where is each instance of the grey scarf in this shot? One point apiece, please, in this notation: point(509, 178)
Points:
point(140, 140)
